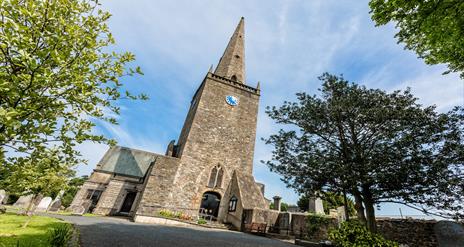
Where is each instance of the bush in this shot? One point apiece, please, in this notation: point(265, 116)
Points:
point(353, 233)
point(201, 221)
point(314, 222)
point(60, 236)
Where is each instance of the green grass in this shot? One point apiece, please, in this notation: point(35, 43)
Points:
point(36, 233)
point(70, 213)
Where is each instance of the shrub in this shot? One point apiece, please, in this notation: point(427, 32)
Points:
point(353, 233)
point(314, 222)
point(166, 213)
point(201, 221)
point(60, 235)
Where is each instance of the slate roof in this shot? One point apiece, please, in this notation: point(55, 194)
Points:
point(126, 161)
point(250, 192)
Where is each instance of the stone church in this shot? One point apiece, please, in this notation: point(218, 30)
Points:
point(209, 169)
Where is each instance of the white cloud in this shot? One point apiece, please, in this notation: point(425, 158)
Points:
point(289, 44)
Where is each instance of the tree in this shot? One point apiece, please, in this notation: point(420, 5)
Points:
point(330, 200)
point(376, 146)
point(433, 29)
point(58, 75)
point(283, 206)
point(73, 187)
point(42, 173)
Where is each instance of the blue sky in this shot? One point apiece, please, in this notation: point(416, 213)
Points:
point(288, 45)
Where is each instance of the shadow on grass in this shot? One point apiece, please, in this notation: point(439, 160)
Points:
point(35, 234)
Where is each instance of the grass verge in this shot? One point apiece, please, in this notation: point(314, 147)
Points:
point(36, 233)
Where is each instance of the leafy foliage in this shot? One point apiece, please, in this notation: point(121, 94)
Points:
point(44, 173)
point(201, 221)
point(330, 200)
point(60, 235)
point(433, 29)
point(57, 76)
point(314, 223)
point(283, 206)
point(376, 146)
point(352, 233)
point(73, 188)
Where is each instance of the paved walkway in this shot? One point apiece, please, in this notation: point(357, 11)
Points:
point(109, 231)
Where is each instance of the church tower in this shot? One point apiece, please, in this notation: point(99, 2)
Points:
point(215, 147)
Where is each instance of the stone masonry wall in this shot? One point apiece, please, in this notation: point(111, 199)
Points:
point(414, 233)
point(219, 134)
point(112, 198)
point(158, 193)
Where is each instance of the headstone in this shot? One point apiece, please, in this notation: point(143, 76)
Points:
point(23, 201)
point(315, 205)
point(341, 217)
point(449, 234)
point(2, 196)
point(55, 206)
point(44, 203)
point(78, 210)
point(277, 202)
point(333, 213)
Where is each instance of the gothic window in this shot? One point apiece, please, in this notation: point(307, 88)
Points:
point(233, 204)
point(233, 78)
point(215, 178)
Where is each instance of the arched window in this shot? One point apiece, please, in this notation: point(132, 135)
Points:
point(215, 178)
point(234, 78)
point(233, 204)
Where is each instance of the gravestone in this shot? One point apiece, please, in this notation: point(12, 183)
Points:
point(44, 203)
point(55, 206)
point(341, 217)
point(315, 205)
point(23, 201)
point(3, 195)
point(449, 234)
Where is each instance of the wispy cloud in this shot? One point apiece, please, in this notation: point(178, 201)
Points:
point(289, 44)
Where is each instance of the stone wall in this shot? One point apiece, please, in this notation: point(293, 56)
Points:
point(112, 198)
point(414, 233)
point(114, 187)
point(157, 193)
point(214, 133)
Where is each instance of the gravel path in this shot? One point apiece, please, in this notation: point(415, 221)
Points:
point(109, 231)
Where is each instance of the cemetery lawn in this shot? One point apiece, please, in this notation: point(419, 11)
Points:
point(35, 234)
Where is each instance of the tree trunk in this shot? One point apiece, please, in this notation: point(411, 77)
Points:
point(359, 207)
point(370, 211)
point(30, 211)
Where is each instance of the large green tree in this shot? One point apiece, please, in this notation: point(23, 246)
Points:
point(43, 172)
point(434, 29)
point(376, 146)
point(59, 73)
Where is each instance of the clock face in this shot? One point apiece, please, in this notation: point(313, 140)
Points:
point(231, 100)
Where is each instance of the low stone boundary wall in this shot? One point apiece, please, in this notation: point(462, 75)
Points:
point(412, 232)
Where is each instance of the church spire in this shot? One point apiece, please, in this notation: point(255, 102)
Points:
point(232, 63)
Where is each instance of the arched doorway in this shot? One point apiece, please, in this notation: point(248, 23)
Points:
point(210, 204)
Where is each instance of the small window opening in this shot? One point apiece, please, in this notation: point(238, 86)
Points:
point(233, 204)
point(234, 78)
point(215, 178)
